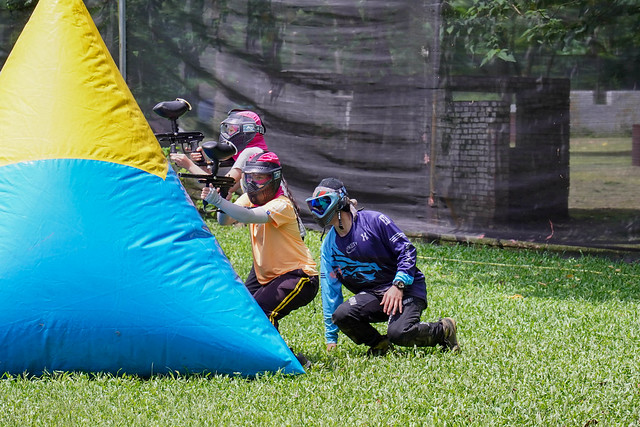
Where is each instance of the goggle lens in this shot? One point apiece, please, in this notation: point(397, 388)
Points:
point(259, 181)
point(319, 205)
point(230, 129)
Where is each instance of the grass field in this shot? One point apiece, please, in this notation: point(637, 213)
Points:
point(604, 200)
point(547, 340)
point(602, 176)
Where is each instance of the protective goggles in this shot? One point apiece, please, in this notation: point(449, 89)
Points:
point(257, 180)
point(321, 204)
point(234, 128)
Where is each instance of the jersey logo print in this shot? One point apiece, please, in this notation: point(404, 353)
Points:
point(364, 236)
point(354, 270)
point(352, 247)
point(384, 219)
point(397, 236)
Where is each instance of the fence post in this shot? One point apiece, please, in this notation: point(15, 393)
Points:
point(635, 145)
point(122, 37)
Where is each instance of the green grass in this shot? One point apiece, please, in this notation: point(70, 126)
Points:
point(547, 340)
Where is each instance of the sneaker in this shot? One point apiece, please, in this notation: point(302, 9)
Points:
point(450, 329)
point(306, 363)
point(379, 349)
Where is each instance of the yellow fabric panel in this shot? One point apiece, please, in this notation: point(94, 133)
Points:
point(62, 96)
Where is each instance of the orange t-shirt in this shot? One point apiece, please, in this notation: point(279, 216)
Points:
point(277, 246)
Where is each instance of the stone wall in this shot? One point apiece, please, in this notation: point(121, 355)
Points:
point(615, 117)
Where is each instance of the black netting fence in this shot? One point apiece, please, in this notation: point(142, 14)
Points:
point(402, 101)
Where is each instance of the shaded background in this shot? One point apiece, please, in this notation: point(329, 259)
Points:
point(458, 120)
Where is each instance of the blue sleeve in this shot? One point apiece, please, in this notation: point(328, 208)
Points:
point(331, 290)
point(405, 253)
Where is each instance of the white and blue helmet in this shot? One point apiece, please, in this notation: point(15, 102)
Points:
point(329, 197)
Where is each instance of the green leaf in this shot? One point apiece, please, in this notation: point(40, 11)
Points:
point(506, 56)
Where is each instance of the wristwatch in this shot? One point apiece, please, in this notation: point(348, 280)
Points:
point(399, 284)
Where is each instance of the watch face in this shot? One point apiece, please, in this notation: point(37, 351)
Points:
point(399, 285)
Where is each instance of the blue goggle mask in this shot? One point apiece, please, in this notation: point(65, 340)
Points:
point(325, 204)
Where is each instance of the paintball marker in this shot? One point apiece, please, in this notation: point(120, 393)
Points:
point(172, 110)
point(218, 152)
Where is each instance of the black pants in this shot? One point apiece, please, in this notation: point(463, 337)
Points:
point(355, 316)
point(283, 294)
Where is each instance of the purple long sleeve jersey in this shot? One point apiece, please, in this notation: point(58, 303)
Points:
point(369, 258)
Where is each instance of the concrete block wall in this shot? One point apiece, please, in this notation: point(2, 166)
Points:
point(615, 117)
point(472, 162)
point(484, 173)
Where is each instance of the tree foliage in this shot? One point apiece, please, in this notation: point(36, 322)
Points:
point(550, 38)
point(596, 43)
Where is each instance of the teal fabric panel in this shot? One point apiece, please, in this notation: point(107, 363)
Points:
point(107, 268)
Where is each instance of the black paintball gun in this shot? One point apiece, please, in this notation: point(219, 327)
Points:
point(173, 110)
point(218, 152)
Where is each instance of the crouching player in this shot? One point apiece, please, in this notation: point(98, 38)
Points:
point(365, 252)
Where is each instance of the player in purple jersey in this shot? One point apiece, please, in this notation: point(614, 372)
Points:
point(366, 252)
